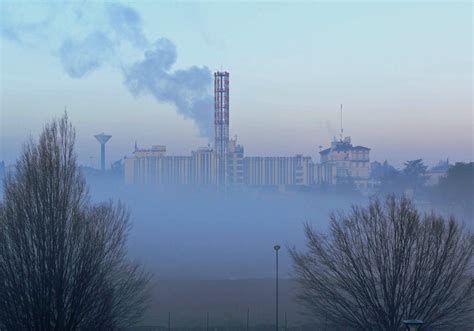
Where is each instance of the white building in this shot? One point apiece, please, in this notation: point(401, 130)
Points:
point(343, 163)
point(153, 167)
point(279, 171)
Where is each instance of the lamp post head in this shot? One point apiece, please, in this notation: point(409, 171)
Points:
point(412, 325)
point(276, 247)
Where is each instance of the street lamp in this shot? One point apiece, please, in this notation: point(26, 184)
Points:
point(412, 325)
point(276, 248)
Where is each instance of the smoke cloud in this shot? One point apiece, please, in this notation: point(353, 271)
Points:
point(126, 23)
point(86, 37)
point(80, 57)
point(188, 89)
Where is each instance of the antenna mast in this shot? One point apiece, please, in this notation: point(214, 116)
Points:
point(341, 124)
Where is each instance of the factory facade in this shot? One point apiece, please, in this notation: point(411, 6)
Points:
point(153, 167)
point(226, 164)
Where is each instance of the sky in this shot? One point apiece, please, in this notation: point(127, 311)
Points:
point(142, 72)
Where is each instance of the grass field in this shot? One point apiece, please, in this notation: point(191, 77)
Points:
point(226, 301)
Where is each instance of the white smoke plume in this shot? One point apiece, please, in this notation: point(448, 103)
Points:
point(87, 36)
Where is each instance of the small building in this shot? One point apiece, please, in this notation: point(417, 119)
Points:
point(344, 163)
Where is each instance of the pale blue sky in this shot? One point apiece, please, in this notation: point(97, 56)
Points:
point(403, 71)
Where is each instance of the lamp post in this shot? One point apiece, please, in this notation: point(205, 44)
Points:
point(248, 318)
point(413, 325)
point(276, 248)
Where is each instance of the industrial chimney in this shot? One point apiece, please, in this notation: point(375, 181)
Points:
point(221, 123)
point(102, 138)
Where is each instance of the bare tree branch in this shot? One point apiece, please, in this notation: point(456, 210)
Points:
point(63, 259)
point(385, 263)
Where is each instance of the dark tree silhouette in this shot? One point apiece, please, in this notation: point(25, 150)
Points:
point(412, 177)
point(456, 190)
point(380, 170)
point(415, 174)
point(385, 263)
point(62, 258)
point(392, 182)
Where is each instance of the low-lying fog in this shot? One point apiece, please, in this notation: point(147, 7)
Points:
point(200, 234)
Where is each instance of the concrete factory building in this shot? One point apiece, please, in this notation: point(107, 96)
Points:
point(279, 171)
point(226, 165)
point(153, 167)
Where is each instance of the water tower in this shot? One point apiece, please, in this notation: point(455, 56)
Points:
point(102, 138)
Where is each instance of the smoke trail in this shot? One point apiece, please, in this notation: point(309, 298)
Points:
point(188, 89)
point(80, 57)
point(86, 38)
point(126, 23)
point(119, 24)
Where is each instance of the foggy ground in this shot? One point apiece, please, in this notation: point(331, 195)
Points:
point(201, 235)
point(213, 253)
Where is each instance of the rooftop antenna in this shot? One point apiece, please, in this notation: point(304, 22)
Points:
point(342, 131)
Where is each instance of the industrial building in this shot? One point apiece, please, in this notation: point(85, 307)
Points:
point(226, 165)
point(279, 171)
point(153, 167)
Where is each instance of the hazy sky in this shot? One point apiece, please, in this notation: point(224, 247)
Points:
point(403, 71)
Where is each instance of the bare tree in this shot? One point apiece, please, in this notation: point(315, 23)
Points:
point(385, 263)
point(63, 259)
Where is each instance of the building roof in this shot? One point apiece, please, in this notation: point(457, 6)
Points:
point(343, 148)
